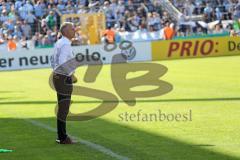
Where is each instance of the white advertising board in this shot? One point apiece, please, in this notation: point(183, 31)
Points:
point(40, 58)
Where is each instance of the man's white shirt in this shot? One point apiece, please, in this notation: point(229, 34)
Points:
point(62, 54)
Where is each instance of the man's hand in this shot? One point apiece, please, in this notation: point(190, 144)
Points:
point(74, 79)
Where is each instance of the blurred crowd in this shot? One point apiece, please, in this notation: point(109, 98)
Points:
point(219, 16)
point(35, 23)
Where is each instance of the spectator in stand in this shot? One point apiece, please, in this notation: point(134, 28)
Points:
point(17, 30)
point(51, 20)
point(28, 6)
point(110, 19)
point(31, 19)
point(120, 8)
point(50, 38)
point(69, 10)
point(169, 31)
point(54, 37)
point(233, 33)
point(218, 14)
point(130, 6)
point(157, 21)
point(188, 8)
point(12, 15)
point(113, 7)
point(11, 45)
point(151, 22)
point(4, 16)
point(199, 31)
point(218, 29)
point(16, 40)
point(44, 27)
point(208, 11)
point(2, 40)
point(23, 43)
point(36, 41)
point(46, 41)
point(18, 4)
point(65, 1)
point(93, 6)
point(82, 9)
point(8, 5)
point(61, 6)
point(26, 29)
point(22, 11)
point(80, 39)
point(109, 35)
point(165, 17)
point(133, 22)
point(39, 9)
point(51, 4)
point(10, 26)
point(236, 25)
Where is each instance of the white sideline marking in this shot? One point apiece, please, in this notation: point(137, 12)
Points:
point(82, 141)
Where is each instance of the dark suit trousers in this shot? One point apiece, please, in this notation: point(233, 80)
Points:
point(63, 86)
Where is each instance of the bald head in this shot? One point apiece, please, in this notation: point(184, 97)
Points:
point(67, 30)
point(65, 26)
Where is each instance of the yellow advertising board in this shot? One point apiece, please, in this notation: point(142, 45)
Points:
point(191, 48)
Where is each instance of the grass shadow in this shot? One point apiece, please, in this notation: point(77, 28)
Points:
point(126, 141)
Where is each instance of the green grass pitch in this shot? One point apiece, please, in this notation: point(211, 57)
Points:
point(209, 87)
